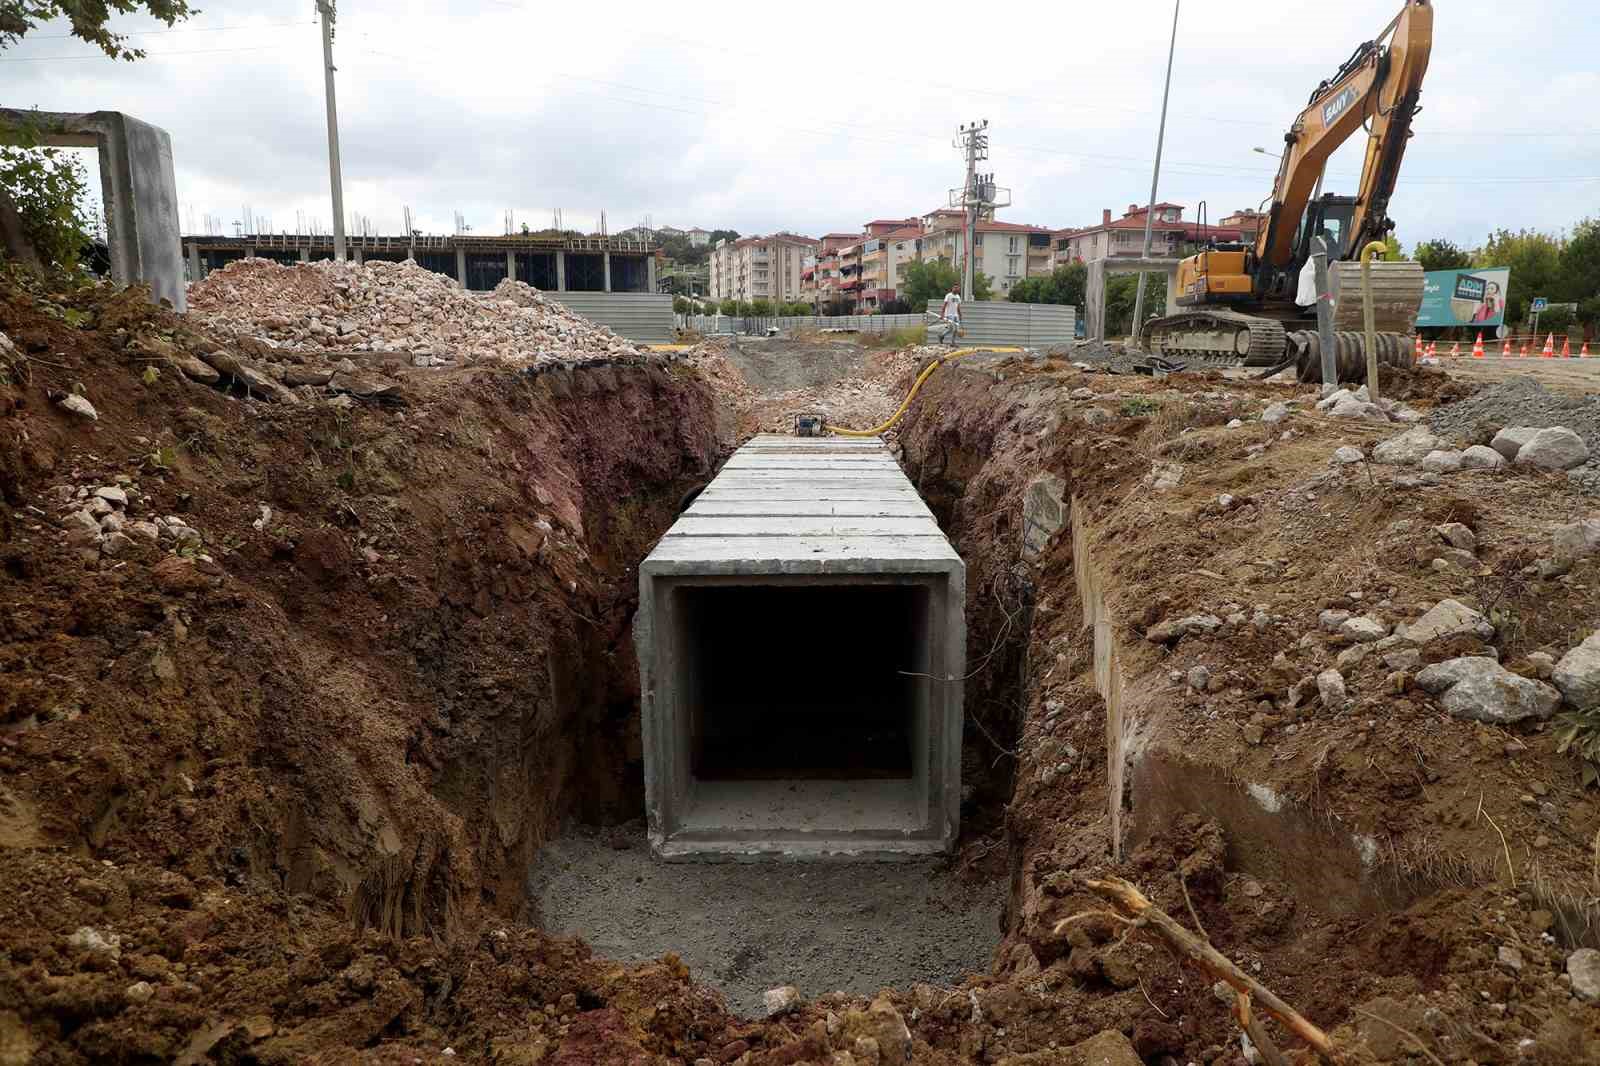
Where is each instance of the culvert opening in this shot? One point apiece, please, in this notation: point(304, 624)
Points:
point(806, 682)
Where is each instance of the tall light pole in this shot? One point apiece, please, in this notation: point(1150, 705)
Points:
point(1155, 177)
point(325, 9)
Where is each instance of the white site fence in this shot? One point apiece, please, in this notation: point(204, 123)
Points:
point(982, 322)
point(758, 326)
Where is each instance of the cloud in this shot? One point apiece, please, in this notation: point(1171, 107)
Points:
point(739, 116)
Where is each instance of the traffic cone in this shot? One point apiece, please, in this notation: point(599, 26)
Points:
point(1505, 348)
point(1566, 347)
point(1455, 350)
point(1477, 347)
point(1583, 353)
point(1418, 353)
point(1549, 347)
point(1431, 349)
point(1525, 345)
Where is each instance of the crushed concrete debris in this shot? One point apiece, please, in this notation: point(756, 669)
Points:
point(314, 312)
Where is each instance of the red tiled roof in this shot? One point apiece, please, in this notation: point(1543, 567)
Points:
point(901, 234)
point(1010, 227)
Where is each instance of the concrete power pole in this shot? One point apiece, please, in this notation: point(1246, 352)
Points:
point(974, 138)
point(1155, 177)
point(325, 9)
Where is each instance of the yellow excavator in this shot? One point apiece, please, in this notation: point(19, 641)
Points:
point(1239, 301)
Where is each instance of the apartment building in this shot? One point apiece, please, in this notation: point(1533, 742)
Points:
point(1170, 235)
point(760, 268)
point(1006, 251)
point(823, 285)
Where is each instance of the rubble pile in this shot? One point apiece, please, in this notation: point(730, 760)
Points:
point(312, 312)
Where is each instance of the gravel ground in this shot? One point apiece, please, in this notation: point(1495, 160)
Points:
point(1117, 356)
point(1523, 401)
point(747, 927)
point(779, 365)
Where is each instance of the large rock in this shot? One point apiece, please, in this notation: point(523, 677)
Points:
point(1448, 618)
point(1556, 448)
point(1583, 966)
point(253, 379)
point(1577, 675)
point(1107, 1048)
point(79, 406)
point(1275, 413)
point(1479, 457)
point(1509, 441)
point(1363, 628)
point(781, 1000)
point(1170, 630)
point(1412, 446)
point(1330, 686)
point(1442, 461)
point(1481, 689)
point(1575, 540)
point(194, 369)
point(1350, 407)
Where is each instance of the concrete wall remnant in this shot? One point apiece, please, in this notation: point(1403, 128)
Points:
point(136, 181)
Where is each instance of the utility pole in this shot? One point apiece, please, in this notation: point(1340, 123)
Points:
point(974, 140)
point(325, 9)
point(1155, 177)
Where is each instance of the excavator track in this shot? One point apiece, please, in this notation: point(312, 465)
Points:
point(1217, 338)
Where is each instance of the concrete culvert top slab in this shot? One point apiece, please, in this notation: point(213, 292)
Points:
point(801, 639)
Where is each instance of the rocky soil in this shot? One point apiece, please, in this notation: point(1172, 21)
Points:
point(292, 690)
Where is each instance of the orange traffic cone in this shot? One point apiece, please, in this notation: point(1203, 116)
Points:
point(1455, 350)
point(1583, 353)
point(1418, 353)
point(1432, 348)
point(1566, 347)
point(1549, 347)
point(1477, 347)
point(1524, 353)
point(1505, 348)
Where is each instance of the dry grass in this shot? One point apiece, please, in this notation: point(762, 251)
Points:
point(904, 337)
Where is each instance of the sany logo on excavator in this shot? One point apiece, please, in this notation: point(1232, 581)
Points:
point(1338, 105)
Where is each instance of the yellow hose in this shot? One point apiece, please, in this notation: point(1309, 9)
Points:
point(915, 386)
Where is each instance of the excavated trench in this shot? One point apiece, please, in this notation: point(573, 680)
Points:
point(803, 698)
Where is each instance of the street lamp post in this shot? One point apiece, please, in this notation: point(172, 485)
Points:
point(1155, 177)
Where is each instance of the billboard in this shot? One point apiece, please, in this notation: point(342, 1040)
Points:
point(1464, 297)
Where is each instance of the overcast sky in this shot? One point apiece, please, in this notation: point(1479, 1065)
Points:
point(818, 119)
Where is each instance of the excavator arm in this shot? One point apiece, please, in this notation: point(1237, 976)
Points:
point(1377, 87)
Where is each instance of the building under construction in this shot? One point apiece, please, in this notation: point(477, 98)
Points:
point(550, 261)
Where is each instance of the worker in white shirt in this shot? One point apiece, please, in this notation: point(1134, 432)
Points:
point(951, 313)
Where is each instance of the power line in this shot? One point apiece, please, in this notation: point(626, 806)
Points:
point(151, 55)
point(175, 29)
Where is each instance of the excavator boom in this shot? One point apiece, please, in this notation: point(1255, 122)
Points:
point(1239, 301)
point(1377, 87)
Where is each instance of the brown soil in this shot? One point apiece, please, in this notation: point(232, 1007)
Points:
point(274, 799)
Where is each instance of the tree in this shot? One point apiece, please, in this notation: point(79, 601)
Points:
point(1064, 285)
point(722, 234)
point(1578, 276)
point(1441, 254)
point(729, 307)
point(681, 306)
point(897, 306)
point(1534, 259)
point(88, 20)
point(761, 307)
point(930, 279)
point(1121, 290)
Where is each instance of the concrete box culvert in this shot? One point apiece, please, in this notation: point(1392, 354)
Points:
point(801, 638)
